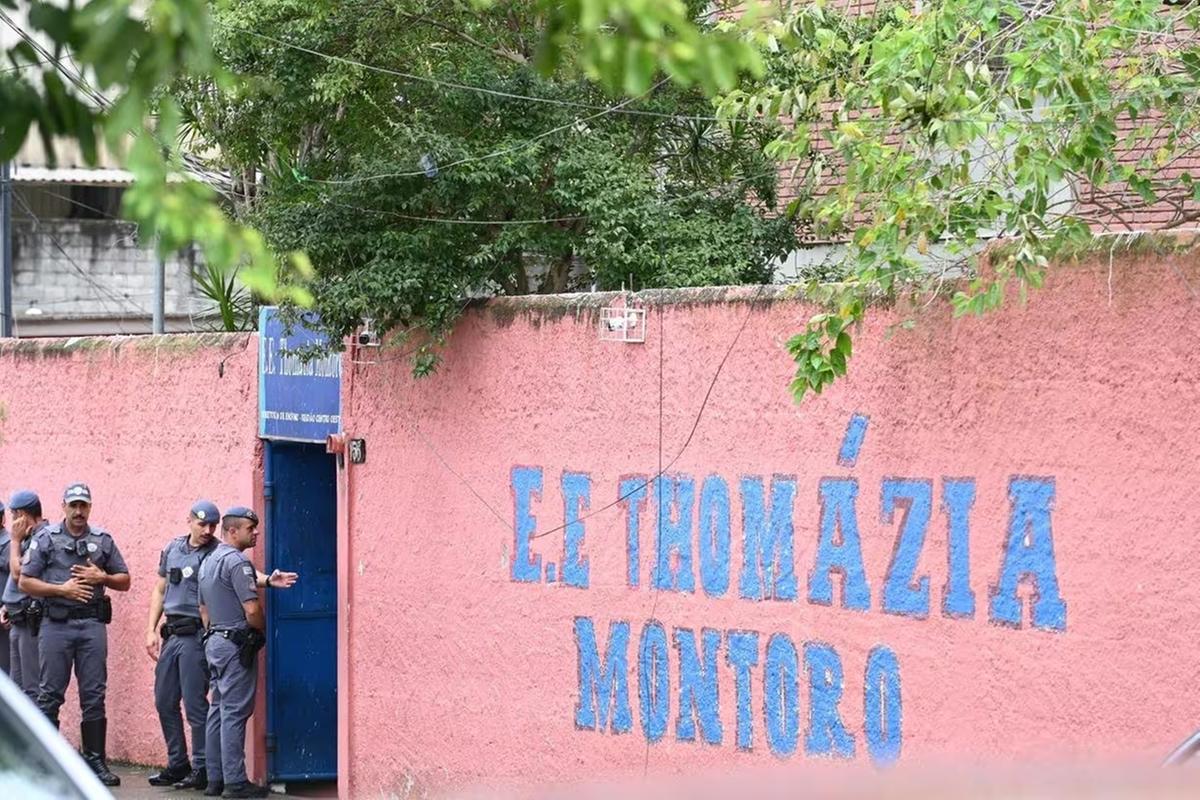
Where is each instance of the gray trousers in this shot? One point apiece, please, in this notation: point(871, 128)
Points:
point(23, 660)
point(229, 710)
point(5, 655)
point(182, 674)
point(82, 643)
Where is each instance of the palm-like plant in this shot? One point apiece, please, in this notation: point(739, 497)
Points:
point(233, 301)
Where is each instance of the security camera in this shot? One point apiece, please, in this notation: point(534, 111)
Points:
point(367, 337)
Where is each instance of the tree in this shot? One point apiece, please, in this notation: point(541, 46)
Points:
point(96, 72)
point(920, 133)
point(100, 69)
point(924, 131)
point(414, 152)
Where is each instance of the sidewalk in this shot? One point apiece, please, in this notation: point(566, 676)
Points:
point(134, 787)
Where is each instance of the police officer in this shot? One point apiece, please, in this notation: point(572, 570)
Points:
point(5, 540)
point(236, 628)
point(71, 564)
point(22, 612)
point(181, 671)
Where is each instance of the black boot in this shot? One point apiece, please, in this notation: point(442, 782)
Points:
point(169, 776)
point(246, 789)
point(93, 735)
point(196, 779)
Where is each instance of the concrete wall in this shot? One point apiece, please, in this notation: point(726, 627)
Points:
point(150, 424)
point(1022, 500)
point(92, 269)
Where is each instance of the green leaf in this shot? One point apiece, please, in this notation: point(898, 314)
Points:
point(844, 345)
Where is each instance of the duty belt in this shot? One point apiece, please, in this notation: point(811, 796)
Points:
point(180, 625)
point(78, 612)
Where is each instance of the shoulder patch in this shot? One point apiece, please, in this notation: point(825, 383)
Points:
point(33, 545)
point(247, 569)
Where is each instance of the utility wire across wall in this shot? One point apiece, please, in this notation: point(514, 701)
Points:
point(101, 290)
point(663, 469)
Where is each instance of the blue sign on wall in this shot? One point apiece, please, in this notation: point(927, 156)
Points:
point(298, 400)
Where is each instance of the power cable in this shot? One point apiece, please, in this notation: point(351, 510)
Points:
point(83, 273)
point(662, 470)
point(462, 86)
point(495, 154)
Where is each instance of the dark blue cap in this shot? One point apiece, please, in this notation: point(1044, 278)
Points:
point(241, 512)
point(22, 499)
point(76, 492)
point(206, 511)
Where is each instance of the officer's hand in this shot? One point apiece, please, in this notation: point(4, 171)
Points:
point(20, 527)
point(89, 573)
point(282, 580)
point(4, 616)
point(76, 590)
point(152, 642)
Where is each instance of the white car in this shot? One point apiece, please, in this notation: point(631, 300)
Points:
point(36, 763)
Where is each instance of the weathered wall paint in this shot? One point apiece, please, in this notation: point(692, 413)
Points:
point(150, 424)
point(979, 545)
point(1044, 448)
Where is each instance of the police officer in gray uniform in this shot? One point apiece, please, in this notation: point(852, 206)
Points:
point(5, 540)
point(182, 671)
point(22, 612)
point(70, 565)
point(236, 628)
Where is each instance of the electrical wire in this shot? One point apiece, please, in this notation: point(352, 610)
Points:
point(98, 287)
point(497, 153)
point(662, 469)
point(463, 86)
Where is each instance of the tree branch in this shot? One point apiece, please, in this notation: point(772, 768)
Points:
point(500, 52)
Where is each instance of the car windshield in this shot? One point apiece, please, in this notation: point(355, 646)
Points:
point(26, 769)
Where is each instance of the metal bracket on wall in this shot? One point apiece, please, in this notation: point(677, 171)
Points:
point(619, 324)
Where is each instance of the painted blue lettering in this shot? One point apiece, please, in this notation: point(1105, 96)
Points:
point(826, 734)
point(883, 709)
point(780, 690)
point(603, 688)
point(768, 564)
point(1030, 554)
point(526, 486)
point(653, 681)
point(958, 496)
point(632, 494)
point(577, 495)
point(900, 594)
point(698, 686)
point(741, 653)
point(675, 533)
point(714, 536)
point(842, 555)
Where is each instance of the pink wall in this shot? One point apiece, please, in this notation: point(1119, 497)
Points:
point(150, 424)
point(458, 673)
point(453, 672)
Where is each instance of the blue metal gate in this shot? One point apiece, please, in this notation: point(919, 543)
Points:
point(301, 536)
